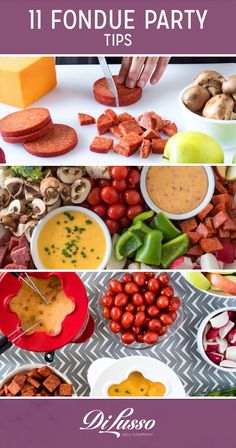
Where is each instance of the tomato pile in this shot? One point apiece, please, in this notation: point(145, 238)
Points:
point(117, 200)
point(140, 307)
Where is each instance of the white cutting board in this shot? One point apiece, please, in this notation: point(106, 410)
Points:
point(74, 93)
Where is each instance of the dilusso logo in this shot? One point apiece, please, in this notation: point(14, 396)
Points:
point(118, 424)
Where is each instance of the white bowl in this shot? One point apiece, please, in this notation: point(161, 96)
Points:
point(210, 292)
point(26, 368)
point(107, 371)
point(180, 216)
point(68, 208)
point(200, 338)
point(224, 131)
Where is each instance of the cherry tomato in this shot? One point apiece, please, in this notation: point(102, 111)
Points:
point(141, 308)
point(168, 291)
point(132, 196)
point(104, 183)
point(113, 225)
point(121, 299)
point(127, 278)
point(149, 274)
point(173, 315)
point(151, 337)
point(110, 195)
point(115, 327)
point(115, 285)
point(120, 185)
point(100, 210)
point(133, 177)
point(130, 307)
point(94, 196)
point(149, 297)
point(136, 330)
point(125, 222)
point(106, 312)
point(134, 210)
point(116, 211)
point(127, 319)
point(166, 319)
point(116, 313)
point(139, 319)
point(137, 299)
point(128, 338)
point(139, 278)
point(139, 338)
point(154, 325)
point(164, 278)
point(107, 301)
point(131, 288)
point(153, 285)
point(174, 304)
point(162, 302)
point(153, 310)
point(118, 172)
point(162, 330)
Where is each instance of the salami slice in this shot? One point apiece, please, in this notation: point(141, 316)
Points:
point(126, 96)
point(58, 141)
point(30, 137)
point(24, 122)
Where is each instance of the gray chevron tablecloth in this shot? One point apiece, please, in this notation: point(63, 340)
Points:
point(179, 351)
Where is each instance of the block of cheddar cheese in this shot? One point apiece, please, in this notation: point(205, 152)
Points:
point(23, 80)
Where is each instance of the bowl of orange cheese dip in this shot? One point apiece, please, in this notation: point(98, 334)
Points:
point(180, 192)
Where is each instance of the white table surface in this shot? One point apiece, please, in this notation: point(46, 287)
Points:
point(74, 93)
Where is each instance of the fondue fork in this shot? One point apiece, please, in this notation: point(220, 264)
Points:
point(6, 343)
point(30, 283)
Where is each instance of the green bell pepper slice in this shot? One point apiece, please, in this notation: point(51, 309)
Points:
point(140, 229)
point(162, 223)
point(126, 245)
point(174, 249)
point(150, 252)
point(143, 216)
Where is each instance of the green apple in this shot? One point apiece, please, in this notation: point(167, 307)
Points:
point(193, 147)
point(231, 173)
point(197, 279)
point(234, 159)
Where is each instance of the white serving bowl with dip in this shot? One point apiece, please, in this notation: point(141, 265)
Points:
point(224, 131)
point(47, 229)
point(180, 197)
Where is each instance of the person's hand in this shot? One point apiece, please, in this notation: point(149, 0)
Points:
point(139, 70)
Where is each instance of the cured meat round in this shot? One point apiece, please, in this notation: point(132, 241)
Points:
point(58, 141)
point(24, 122)
point(126, 96)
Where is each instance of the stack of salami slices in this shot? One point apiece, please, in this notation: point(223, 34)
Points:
point(40, 136)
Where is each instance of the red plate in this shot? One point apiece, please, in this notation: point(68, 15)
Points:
point(74, 327)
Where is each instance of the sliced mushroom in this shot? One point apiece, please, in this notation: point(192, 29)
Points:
point(51, 196)
point(17, 206)
point(29, 228)
point(68, 175)
point(98, 172)
point(54, 206)
point(15, 186)
point(32, 191)
point(38, 208)
point(4, 197)
point(49, 182)
point(23, 219)
point(80, 190)
point(220, 107)
point(195, 97)
point(229, 86)
point(211, 80)
point(9, 222)
point(20, 230)
point(65, 193)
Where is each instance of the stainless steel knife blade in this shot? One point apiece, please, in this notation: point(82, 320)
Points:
point(109, 79)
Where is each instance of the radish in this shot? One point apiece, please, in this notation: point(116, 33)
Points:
point(182, 263)
point(212, 334)
point(223, 344)
point(231, 315)
point(226, 255)
point(208, 262)
point(220, 320)
point(231, 337)
point(211, 347)
point(222, 283)
point(231, 353)
point(228, 363)
point(226, 329)
point(217, 358)
point(230, 266)
point(206, 329)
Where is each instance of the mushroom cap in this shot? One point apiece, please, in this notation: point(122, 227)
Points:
point(17, 206)
point(195, 97)
point(15, 186)
point(219, 107)
point(31, 190)
point(68, 175)
point(38, 208)
point(80, 190)
point(29, 228)
point(211, 80)
point(229, 85)
point(49, 182)
point(4, 197)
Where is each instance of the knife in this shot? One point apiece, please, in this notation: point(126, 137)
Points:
point(110, 81)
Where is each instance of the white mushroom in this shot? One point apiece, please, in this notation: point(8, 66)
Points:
point(20, 230)
point(229, 86)
point(68, 175)
point(211, 80)
point(38, 208)
point(17, 206)
point(80, 190)
point(31, 190)
point(29, 228)
point(195, 97)
point(220, 107)
point(4, 197)
point(65, 193)
point(49, 182)
point(98, 172)
point(54, 206)
point(15, 186)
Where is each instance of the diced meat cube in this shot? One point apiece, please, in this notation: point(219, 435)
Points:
point(51, 382)
point(159, 123)
point(35, 374)
point(2, 392)
point(34, 382)
point(218, 208)
point(224, 233)
point(14, 388)
point(112, 115)
point(23, 242)
point(145, 149)
point(150, 134)
point(146, 121)
point(131, 142)
point(230, 224)
point(127, 127)
point(220, 199)
point(195, 251)
point(194, 236)
point(20, 379)
point(115, 130)
point(210, 245)
point(103, 124)
point(14, 241)
point(20, 255)
point(65, 390)
point(170, 129)
point(31, 392)
point(220, 187)
point(220, 219)
point(85, 119)
point(158, 145)
point(203, 230)
point(202, 215)
point(44, 371)
point(188, 224)
point(101, 145)
point(125, 117)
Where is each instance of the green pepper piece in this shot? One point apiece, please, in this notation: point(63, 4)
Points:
point(174, 249)
point(150, 251)
point(143, 216)
point(140, 229)
point(162, 223)
point(126, 245)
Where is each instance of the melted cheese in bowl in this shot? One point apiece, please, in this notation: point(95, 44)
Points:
point(136, 385)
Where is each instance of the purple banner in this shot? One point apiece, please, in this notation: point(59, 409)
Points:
point(117, 27)
point(118, 423)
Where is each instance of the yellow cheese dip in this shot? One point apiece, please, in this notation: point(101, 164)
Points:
point(71, 240)
point(30, 307)
point(136, 385)
point(177, 189)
